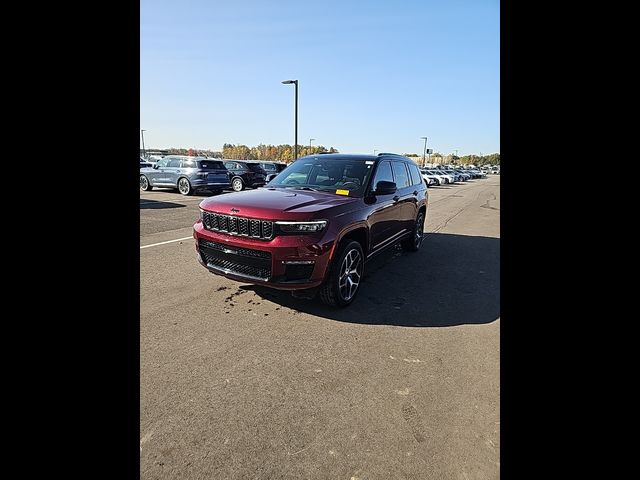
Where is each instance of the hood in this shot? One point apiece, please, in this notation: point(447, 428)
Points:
point(276, 203)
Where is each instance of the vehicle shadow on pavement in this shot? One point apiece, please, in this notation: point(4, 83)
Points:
point(452, 280)
point(158, 204)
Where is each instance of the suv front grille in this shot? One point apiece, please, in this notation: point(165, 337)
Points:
point(241, 261)
point(247, 227)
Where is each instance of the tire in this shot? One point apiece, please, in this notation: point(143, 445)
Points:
point(237, 184)
point(331, 292)
point(184, 186)
point(145, 186)
point(413, 243)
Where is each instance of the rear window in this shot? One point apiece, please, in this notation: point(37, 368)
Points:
point(400, 174)
point(416, 178)
point(210, 165)
point(269, 167)
point(255, 167)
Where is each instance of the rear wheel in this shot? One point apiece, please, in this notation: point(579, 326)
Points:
point(412, 244)
point(345, 275)
point(237, 184)
point(145, 186)
point(184, 186)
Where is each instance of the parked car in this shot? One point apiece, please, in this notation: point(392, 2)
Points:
point(144, 163)
point(444, 179)
point(451, 178)
point(466, 176)
point(245, 174)
point(312, 229)
point(430, 179)
point(187, 174)
point(272, 169)
point(457, 176)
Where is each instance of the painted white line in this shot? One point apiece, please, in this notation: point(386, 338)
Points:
point(168, 241)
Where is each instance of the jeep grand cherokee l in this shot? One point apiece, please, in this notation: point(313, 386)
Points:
point(315, 225)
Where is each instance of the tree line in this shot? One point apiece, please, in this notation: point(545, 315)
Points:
point(262, 152)
point(477, 160)
point(284, 153)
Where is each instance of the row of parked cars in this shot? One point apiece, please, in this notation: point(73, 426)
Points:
point(445, 176)
point(188, 174)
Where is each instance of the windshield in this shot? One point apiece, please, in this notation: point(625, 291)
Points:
point(344, 176)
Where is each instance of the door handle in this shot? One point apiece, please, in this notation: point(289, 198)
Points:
point(396, 198)
point(415, 193)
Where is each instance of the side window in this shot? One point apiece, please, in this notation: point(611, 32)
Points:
point(230, 165)
point(163, 162)
point(188, 164)
point(416, 178)
point(174, 162)
point(382, 173)
point(401, 174)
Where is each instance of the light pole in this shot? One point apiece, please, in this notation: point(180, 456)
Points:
point(310, 140)
point(144, 151)
point(424, 153)
point(295, 145)
point(374, 152)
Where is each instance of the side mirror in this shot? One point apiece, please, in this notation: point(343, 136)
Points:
point(385, 188)
point(155, 165)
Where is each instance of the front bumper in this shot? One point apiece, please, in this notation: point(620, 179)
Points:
point(264, 262)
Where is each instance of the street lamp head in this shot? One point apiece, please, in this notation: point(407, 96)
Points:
point(289, 81)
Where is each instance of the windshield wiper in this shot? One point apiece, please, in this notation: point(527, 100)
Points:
point(306, 188)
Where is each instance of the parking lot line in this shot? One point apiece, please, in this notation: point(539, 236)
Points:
point(168, 241)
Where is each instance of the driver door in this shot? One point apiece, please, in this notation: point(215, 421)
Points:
point(384, 221)
point(157, 174)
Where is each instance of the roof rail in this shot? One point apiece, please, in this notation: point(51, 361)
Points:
point(387, 153)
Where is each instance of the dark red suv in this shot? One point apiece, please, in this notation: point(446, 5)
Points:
point(315, 225)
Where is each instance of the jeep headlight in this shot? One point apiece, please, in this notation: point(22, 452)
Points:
point(302, 227)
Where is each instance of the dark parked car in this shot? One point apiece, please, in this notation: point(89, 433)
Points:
point(245, 174)
point(314, 226)
point(144, 163)
point(187, 174)
point(272, 169)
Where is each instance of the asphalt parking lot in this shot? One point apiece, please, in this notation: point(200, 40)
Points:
point(238, 381)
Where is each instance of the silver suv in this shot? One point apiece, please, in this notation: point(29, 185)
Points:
point(187, 174)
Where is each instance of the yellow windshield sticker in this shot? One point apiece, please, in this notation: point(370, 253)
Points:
point(342, 192)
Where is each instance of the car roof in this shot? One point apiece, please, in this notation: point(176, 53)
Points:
point(186, 157)
point(359, 156)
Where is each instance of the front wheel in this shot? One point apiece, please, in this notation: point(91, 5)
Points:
point(345, 275)
point(237, 184)
point(184, 186)
point(412, 244)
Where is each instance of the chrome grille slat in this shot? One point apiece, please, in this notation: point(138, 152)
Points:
point(246, 227)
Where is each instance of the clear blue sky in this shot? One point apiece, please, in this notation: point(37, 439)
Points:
point(373, 74)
